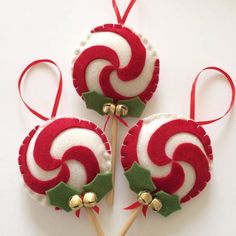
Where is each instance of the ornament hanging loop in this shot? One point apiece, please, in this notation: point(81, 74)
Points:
point(59, 89)
point(121, 20)
point(193, 95)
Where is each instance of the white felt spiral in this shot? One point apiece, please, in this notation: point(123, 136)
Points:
point(79, 148)
point(177, 152)
point(132, 61)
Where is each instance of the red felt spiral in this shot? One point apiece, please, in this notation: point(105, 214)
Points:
point(45, 161)
point(185, 152)
point(129, 72)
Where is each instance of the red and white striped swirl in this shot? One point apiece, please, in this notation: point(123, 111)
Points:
point(116, 62)
point(177, 152)
point(66, 149)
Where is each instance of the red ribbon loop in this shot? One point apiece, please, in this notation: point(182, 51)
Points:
point(59, 90)
point(121, 20)
point(193, 95)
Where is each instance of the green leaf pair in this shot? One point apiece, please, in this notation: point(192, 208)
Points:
point(96, 101)
point(140, 180)
point(60, 195)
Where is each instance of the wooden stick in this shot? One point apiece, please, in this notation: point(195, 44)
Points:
point(114, 129)
point(130, 221)
point(95, 222)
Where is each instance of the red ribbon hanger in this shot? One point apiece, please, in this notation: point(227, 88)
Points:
point(55, 106)
point(192, 116)
point(193, 95)
point(121, 20)
point(58, 94)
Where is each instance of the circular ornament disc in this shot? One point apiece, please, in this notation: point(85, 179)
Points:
point(177, 151)
point(66, 150)
point(116, 62)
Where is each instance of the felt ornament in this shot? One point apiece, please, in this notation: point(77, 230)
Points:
point(115, 71)
point(66, 162)
point(167, 159)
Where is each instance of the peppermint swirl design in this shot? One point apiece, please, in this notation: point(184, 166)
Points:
point(177, 152)
point(66, 149)
point(116, 62)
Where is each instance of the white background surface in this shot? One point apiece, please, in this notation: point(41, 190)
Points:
point(188, 35)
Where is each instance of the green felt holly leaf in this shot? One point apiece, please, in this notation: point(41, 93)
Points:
point(170, 203)
point(101, 185)
point(60, 195)
point(139, 179)
point(95, 101)
point(135, 106)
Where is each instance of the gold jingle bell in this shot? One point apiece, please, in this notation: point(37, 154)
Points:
point(75, 202)
point(109, 109)
point(90, 199)
point(121, 110)
point(155, 205)
point(145, 198)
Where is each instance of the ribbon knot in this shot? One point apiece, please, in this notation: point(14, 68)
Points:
point(117, 111)
point(146, 200)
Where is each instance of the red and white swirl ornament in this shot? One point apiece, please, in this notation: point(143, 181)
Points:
point(116, 62)
point(176, 150)
point(66, 150)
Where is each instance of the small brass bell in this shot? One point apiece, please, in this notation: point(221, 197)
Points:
point(90, 199)
point(155, 205)
point(75, 202)
point(121, 110)
point(109, 109)
point(145, 198)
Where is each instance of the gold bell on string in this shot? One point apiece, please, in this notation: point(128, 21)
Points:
point(121, 110)
point(90, 199)
point(109, 109)
point(75, 202)
point(145, 198)
point(155, 205)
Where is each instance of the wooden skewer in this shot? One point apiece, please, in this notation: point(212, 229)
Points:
point(95, 222)
point(130, 221)
point(114, 129)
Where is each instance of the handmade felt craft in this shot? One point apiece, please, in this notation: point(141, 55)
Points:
point(65, 150)
point(176, 150)
point(66, 162)
point(116, 71)
point(167, 158)
point(116, 62)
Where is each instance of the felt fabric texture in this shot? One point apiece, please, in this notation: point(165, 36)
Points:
point(177, 151)
point(96, 101)
point(170, 203)
point(101, 185)
point(117, 63)
point(65, 149)
point(139, 179)
point(60, 195)
point(135, 106)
